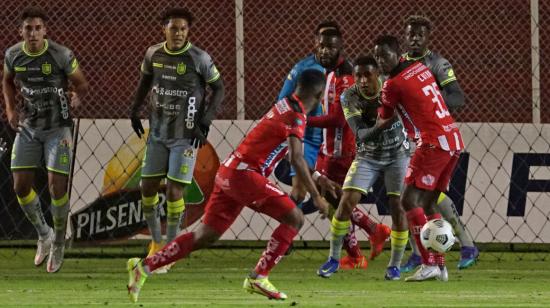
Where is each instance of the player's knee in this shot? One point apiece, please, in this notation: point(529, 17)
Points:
point(21, 188)
point(294, 218)
point(174, 190)
point(345, 208)
point(148, 187)
point(58, 189)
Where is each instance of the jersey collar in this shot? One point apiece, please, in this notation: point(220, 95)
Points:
point(41, 52)
point(296, 98)
point(409, 58)
point(177, 52)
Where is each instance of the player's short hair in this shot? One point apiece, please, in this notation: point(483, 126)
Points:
point(331, 32)
point(34, 12)
point(177, 12)
point(326, 25)
point(365, 60)
point(388, 40)
point(310, 79)
point(419, 20)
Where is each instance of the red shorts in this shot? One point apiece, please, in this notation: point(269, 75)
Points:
point(431, 168)
point(334, 168)
point(235, 189)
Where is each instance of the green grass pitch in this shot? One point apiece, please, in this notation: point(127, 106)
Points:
point(214, 278)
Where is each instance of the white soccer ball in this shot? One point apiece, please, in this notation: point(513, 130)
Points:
point(438, 235)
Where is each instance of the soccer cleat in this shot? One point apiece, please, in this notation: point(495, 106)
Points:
point(392, 273)
point(468, 257)
point(378, 239)
point(444, 276)
point(155, 247)
point(43, 248)
point(55, 259)
point(413, 262)
point(263, 287)
point(136, 278)
point(425, 272)
point(348, 263)
point(330, 267)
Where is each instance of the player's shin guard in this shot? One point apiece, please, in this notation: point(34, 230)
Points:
point(30, 205)
point(60, 211)
point(173, 218)
point(351, 244)
point(361, 219)
point(276, 247)
point(399, 241)
point(338, 230)
point(448, 210)
point(417, 219)
point(152, 216)
point(179, 248)
point(439, 257)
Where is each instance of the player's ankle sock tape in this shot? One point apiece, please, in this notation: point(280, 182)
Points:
point(150, 201)
point(399, 238)
point(27, 199)
point(61, 201)
point(339, 228)
point(175, 208)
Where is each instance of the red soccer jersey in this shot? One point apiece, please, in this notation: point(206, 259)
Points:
point(338, 138)
point(266, 144)
point(412, 89)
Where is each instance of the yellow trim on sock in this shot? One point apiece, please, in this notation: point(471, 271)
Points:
point(399, 238)
point(441, 197)
point(61, 201)
point(150, 201)
point(27, 199)
point(338, 227)
point(393, 193)
point(175, 207)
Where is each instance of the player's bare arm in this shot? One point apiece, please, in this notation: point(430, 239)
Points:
point(80, 87)
point(302, 170)
point(453, 96)
point(8, 89)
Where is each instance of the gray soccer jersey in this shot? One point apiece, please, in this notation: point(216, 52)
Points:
point(179, 83)
point(440, 67)
point(361, 112)
point(42, 78)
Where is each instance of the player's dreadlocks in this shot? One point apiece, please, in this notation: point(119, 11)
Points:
point(419, 20)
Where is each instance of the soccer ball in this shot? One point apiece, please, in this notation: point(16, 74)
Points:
point(438, 235)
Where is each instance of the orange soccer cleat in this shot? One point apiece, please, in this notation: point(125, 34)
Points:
point(378, 239)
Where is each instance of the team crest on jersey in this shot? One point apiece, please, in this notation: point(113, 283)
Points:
point(428, 179)
point(46, 68)
point(181, 68)
point(188, 153)
point(451, 73)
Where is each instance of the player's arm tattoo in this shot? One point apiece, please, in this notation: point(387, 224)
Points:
point(453, 96)
point(144, 86)
point(218, 94)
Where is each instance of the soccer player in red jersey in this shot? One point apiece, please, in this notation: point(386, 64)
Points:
point(338, 148)
point(242, 181)
point(412, 89)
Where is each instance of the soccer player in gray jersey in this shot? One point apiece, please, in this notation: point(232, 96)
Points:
point(417, 38)
point(378, 152)
point(176, 73)
point(42, 69)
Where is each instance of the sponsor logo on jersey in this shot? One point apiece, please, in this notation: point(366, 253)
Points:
point(282, 106)
point(46, 68)
point(451, 73)
point(181, 68)
point(20, 69)
point(191, 111)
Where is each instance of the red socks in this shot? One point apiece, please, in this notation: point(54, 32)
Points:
point(351, 245)
point(177, 249)
point(361, 219)
point(417, 219)
point(278, 244)
point(439, 257)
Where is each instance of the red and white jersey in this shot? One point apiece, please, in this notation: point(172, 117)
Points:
point(338, 138)
point(266, 144)
point(413, 90)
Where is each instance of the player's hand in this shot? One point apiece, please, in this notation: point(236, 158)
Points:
point(13, 119)
point(136, 125)
point(74, 99)
point(199, 139)
point(322, 205)
point(326, 185)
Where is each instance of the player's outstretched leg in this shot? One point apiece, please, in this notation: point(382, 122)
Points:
point(378, 233)
point(468, 251)
point(258, 281)
point(355, 259)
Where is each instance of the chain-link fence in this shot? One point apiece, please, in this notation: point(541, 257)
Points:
point(495, 47)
